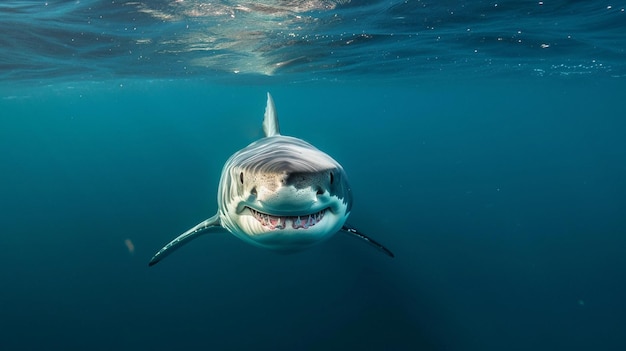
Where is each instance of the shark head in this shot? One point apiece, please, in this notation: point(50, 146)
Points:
point(283, 194)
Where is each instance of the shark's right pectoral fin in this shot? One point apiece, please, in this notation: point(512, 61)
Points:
point(202, 228)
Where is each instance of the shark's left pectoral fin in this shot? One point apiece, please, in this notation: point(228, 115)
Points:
point(357, 234)
point(202, 228)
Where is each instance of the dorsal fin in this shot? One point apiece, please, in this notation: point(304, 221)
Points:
point(270, 122)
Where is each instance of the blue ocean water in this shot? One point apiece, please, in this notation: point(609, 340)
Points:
point(484, 141)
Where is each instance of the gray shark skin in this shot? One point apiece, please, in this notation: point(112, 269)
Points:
point(279, 193)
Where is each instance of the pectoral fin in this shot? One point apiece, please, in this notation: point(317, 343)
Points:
point(357, 234)
point(202, 228)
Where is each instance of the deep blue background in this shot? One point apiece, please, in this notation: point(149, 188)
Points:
point(504, 204)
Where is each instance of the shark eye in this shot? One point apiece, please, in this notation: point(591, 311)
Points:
point(332, 177)
point(241, 177)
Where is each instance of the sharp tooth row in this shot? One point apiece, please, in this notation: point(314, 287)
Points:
point(280, 222)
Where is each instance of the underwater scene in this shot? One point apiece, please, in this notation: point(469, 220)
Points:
point(426, 175)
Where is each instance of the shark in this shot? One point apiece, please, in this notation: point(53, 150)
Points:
point(279, 193)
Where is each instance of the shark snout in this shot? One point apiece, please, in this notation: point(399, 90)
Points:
point(289, 198)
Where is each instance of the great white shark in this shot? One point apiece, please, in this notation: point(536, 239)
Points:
point(279, 193)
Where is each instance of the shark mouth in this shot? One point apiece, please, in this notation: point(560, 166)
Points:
point(284, 222)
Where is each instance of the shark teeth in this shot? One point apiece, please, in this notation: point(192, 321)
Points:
point(284, 222)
